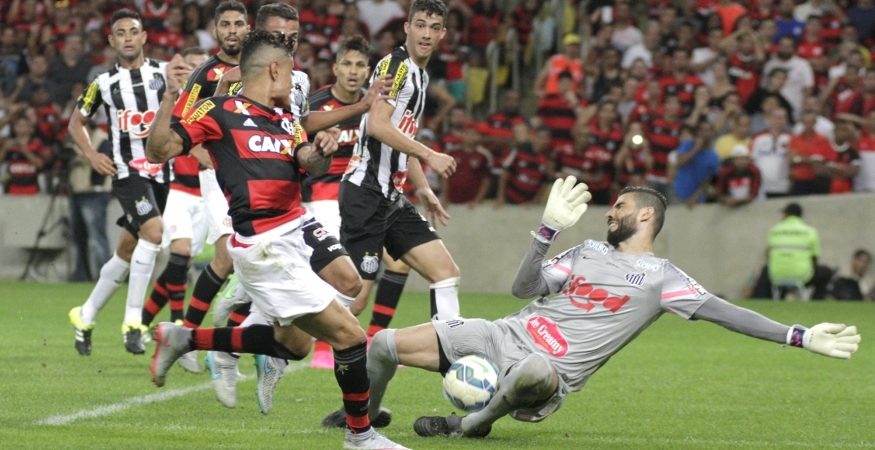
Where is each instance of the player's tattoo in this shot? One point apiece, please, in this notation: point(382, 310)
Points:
point(313, 160)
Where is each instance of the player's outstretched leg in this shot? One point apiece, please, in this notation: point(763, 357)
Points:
point(530, 381)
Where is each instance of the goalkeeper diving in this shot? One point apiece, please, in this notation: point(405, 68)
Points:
point(591, 300)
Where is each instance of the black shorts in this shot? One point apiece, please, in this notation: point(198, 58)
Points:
point(141, 199)
point(370, 222)
point(326, 247)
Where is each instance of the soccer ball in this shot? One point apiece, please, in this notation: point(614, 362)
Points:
point(470, 383)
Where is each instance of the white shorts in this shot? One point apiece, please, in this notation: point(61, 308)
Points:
point(216, 206)
point(184, 218)
point(327, 212)
point(274, 270)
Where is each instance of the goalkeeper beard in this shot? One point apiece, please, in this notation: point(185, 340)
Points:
point(626, 228)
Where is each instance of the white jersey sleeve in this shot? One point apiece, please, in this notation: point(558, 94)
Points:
point(681, 294)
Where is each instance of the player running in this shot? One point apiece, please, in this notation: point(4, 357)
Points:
point(130, 92)
point(259, 151)
point(198, 211)
point(593, 300)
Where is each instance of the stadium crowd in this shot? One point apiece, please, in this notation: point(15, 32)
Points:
point(705, 100)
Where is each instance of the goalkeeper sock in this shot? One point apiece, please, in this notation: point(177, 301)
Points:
point(445, 299)
point(354, 384)
point(388, 294)
point(206, 287)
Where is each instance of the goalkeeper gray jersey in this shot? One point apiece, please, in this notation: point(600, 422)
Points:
point(595, 301)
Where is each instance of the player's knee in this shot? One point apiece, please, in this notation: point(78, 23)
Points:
point(532, 380)
point(151, 231)
point(347, 334)
point(181, 246)
point(349, 284)
point(382, 346)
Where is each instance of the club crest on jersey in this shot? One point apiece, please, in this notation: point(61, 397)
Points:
point(241, 107)
point(143, 206)
point(547, 335)
point(156, 83)
point(370, 264)
point(408, 125)
point(260, 143)
point(635, 279)
point(135, 123)
point(215, 73)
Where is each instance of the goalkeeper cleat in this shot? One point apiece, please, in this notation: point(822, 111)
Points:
point(171, 342)
point(83, 332)
point(337, 419)
point(430, 426)
point(269, 371)
point(370, 439)
point(134, 337)
point(223, 372)
point(189, 362)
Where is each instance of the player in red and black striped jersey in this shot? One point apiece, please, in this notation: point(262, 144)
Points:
point(185, 205)
point(259, 152)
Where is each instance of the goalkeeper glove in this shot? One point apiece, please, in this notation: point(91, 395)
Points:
point(565, 205)
point(831, 339)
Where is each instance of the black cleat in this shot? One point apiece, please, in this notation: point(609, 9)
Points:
point(430, 426)
point(134, 341)
point(337, 419)
point(83, 342)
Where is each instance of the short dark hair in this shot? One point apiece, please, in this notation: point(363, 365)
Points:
point(862, 252)
point(430, 8)
point(793, 209)
point(257, 40)
point(231, 5)
point(194, 51)
point(283, 10)
point(649, 197)
point(124, 13)
point(354, 43)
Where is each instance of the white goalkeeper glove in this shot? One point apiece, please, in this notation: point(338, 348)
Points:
point(565, 205)
point(830, 339)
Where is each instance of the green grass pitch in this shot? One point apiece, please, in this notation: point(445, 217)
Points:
point(679, 385)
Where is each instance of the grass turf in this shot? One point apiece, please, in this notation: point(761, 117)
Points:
point(679, 385)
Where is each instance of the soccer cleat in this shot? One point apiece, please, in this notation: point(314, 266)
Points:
point(269, 371)
point(83, 332)
point(370, 439)
point(430, 426)
point(229, 299)
point(322, 359)
point(223, 372)
point(189, 362)
point(171, 342)
point(337, 419)
point(134, 337)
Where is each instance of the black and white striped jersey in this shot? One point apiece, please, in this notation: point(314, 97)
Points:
point(375, 165)
point(130, 98)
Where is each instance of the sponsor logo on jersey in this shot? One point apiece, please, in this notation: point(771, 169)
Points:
point(585, 296)
point(348, 137)
point(370, 264)
point(354, 162)
point(90, 95)
point(651, 266)
point(408, 125)
point(249, 123)
point(135, 123)
point(143, 206)
point(320, 234)
point(200, 112)
point(259, 143)
point(334, 248)
point(398, 179)
point(400, 75)
point(192, 98)
point(597, 246)
point(547, 335)
point(635, 279)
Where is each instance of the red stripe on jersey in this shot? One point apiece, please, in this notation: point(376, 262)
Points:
point(325, 191)
point(272, 194)
point(185, 169)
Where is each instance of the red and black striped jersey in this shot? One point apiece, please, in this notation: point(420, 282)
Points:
point(327, 185)
point(253, 148)
point(664, 136)
point(527, 171)
point(201, 84)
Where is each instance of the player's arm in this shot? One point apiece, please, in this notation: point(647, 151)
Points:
point(381, 127)
point(830, 339)
point(313, 160)
point(164, 143)
point(85, 107)
point(321, 120)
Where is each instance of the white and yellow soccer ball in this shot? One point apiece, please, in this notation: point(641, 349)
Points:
point(470, 383)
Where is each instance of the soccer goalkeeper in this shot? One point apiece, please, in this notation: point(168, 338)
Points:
point(593, 299)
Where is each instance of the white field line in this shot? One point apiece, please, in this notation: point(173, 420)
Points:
point(105, 410)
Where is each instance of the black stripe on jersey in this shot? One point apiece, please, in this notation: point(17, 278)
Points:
point(318, 98)
point(124, 140)
point(414, 98)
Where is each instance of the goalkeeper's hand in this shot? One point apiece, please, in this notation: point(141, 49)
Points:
point(830, 339)
point(566, 203)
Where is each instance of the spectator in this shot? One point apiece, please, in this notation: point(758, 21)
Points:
point(775, 82)
point(851, 93)
point(633, 160)
point(770, 152)
point(694, 166)
point(854, 282)
point(746, 55)
point(36, 78)
point(809, 153)
point(813, 48)
point(11, 60)
point(786, 24)
point(739, 180)
point(738, 135)
point(589, 163)
point(67, 68)
point(729, 13)
point(663, 133)
point(25, 157)
point(681, 82)
point(473, 176)
point(862, 17)
point(822, 125)
point(704, 58)
point(457, 121)
point(377, 13)
point(865, 180)
point(846, 165)
point(645, 50)
point(559, 111)
point(88, 202)
point(569, 60)
point(525, 167)
point(794, 247)
point(800, 76)
point(608, 75)
point(625, 34)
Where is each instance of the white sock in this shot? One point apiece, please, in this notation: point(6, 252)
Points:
point(445, 298)
point(111, 275)
point(344, 300)
point(142, 264)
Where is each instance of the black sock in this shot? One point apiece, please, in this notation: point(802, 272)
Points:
point(388, 294)
point(238, 315)
point(176, 277)
point(206, 287)
point(255, 339)
point(156, 301)
point(351, 372)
